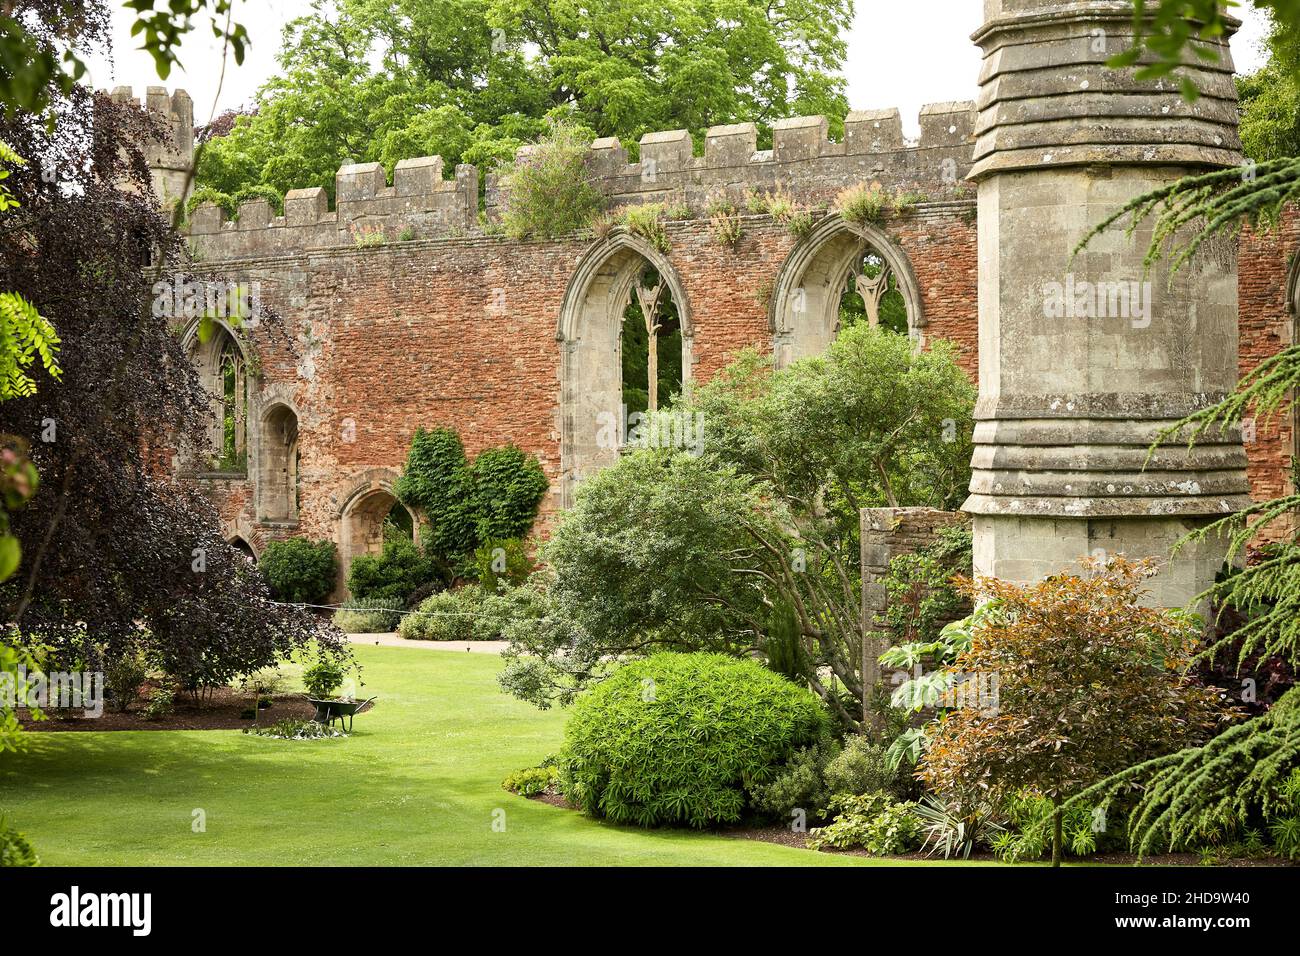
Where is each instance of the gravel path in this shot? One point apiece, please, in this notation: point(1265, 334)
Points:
point(393, 639)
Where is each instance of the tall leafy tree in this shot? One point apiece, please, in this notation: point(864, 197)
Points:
point(692, 542)
point(471, 80)
point(116, 551)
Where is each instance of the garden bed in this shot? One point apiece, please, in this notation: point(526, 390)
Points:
point(222, 711)
point(784, 836)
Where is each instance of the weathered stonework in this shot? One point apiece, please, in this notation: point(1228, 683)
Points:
point(444, 323)
point(1073, 390)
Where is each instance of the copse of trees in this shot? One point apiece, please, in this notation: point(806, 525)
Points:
point(693, 548)
point(472, 80)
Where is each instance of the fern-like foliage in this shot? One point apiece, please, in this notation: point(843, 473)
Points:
point(25, 336)
point(1189, 794)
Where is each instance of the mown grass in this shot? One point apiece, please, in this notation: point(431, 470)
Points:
point(418, 784)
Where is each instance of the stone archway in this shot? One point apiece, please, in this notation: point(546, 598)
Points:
point(590, 336)
point(244, 548)
point(361, 519)
point(222, 365)
point(277, 464)
point(837, 257)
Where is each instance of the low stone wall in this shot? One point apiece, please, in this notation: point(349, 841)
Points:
point(887, 533)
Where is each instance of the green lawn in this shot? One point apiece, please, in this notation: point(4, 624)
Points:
point(417, 785)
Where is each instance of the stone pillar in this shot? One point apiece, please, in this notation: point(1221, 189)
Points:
point(1083, 362)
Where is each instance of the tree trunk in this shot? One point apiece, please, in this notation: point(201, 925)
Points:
point(1056, 830)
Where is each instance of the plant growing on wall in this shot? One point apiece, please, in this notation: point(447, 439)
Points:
point(550, 191)
point(494, 499)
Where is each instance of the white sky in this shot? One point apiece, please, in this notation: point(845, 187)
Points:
point(902, 53)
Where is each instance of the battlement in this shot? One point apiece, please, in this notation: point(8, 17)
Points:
point(419, 204)
point(803, 159)
point(170, 161)
point(422, 204)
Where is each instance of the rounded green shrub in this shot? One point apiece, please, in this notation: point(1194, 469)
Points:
point(437, 481)
point(323, 678)
point(445, 616)
point(677, 738)
point(393, 575)
point(299, 570)
point(861, 767)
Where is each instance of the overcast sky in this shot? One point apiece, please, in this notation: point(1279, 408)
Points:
point(902, 53)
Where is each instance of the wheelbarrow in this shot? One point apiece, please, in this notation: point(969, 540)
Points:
point(328, 711)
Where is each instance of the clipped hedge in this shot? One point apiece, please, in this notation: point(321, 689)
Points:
point(299, 570)
point(375, 615)
point(676, 739)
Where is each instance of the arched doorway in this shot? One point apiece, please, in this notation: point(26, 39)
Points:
point(611, 355)
point(278, 464)
point(369, 512)
point(244, 548)
point(841, 274)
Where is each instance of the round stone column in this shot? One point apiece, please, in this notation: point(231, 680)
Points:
point(1084, 361)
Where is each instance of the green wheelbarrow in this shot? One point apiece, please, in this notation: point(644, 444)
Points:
point(328, 711)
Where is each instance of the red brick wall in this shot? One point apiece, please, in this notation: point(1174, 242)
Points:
point(462, 333)
point(1267, 325)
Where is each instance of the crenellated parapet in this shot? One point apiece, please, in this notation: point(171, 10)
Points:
point(423, 203)
point(803, 159)
point(420, 204)
point(169, 160)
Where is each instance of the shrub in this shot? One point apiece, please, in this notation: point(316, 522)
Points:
point(676, 738)
point(952, 832)
point(300, 571)
point(206, 194)
point(367, 236)
point(1028, 833)
point(295, 729)
point(725, 222)
point(124, 674)
point(263, 683)
point(871, 821)
point(162, 703)
point(508, 488)
point(260, 191)
point(1089, 681)
point(373, 615)
point(393, 574)
point(783, 646)
point(550, 191)
point(860, 767)
point(447, 616)
point(504, 562)
point(799, 785)
point(531, 780)
point(14, 848)
point(861, 204)
point(647, 221)
point(323, 678)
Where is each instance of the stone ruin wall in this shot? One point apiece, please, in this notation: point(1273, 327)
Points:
point(461, 327)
